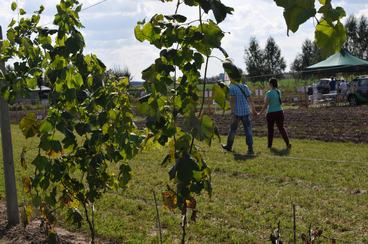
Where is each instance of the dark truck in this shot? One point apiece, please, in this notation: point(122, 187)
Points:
point(358, 91)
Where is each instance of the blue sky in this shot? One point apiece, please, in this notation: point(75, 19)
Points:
point(109, 28)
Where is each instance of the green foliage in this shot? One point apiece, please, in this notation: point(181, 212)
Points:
point(89, 129)
point(329, 36)
point(254, 59)
point(357, 36)
point(274, 62)
point(261, 64)
point(220, 95)
point(330, 32)
point(297, 12)
point(310, 55)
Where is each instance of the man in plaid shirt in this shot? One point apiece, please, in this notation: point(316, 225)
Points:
point(241, 103)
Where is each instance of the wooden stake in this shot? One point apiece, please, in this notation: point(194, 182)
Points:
point(7, 146)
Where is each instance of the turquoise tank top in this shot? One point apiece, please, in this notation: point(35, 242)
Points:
point(273, 101)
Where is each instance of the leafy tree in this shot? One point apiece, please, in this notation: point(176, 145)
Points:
point(351, 43)
point(310, 55)
point(357, 36)
point(273, 61)
point(254, 60)
point(261, 64)
point(121, 72)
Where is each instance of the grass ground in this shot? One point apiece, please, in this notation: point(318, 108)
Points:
point(326, 181)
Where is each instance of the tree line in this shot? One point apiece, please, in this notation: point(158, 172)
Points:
point(264, 63)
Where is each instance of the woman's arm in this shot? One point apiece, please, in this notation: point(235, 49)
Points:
point(265, 105)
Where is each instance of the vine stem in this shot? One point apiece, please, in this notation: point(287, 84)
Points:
point(177, 6)
point(90, 223)
point(200, 115)
point(184, 224)
point(204, 88)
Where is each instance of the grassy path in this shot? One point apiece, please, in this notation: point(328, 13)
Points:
point(327, 182)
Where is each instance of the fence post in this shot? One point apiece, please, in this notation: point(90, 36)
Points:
point(7, 146)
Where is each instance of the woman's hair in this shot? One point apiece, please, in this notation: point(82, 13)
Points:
point(273, 82)
point(275, 85)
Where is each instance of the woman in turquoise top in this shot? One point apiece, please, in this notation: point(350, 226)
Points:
point(275, 114)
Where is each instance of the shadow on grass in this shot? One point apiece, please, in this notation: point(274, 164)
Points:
point(243, 157)
point(280, 152)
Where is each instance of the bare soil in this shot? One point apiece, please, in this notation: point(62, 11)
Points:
point(338, 124)
point(33, 233)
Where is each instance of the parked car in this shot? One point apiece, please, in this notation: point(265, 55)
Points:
point(358, 91)
point(323, 86)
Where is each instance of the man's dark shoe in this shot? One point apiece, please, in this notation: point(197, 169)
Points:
point(225, 147)
point(250, 153)
point(289, 146)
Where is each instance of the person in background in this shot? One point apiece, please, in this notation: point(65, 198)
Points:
point(242, 107)
point(343, 87)
point(275, 113)
point(333, 84)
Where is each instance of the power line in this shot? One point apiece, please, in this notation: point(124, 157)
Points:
point(93, 5)
point(82, 10)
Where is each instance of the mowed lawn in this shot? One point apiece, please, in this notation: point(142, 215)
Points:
point(326, 181)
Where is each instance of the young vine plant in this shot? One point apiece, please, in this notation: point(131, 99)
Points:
point(88, 135)
point(172, 83)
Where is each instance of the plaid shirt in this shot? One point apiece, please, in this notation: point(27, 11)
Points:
point(241, 103)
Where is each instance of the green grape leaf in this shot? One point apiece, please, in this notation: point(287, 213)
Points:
point(31, 82)
point(46, 127)
point(219, 94)
point(296, 12)
point(29, 125)
point(138, 33)
point(124, 175)
point(177, 17)
point(332, 14)
point(330, 37)
point(212, 34)
point(40, 162)
point(207, 130)
point(74, 217)
point(13, 6)
point(184, 169)
point(22, 12)
point(220, 10)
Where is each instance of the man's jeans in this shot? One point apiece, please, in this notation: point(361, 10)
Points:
point(247, 129)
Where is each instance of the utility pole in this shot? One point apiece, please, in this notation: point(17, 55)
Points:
point(7, 146)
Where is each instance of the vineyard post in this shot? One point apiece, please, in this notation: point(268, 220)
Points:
point(294, 223)
point(157, 217)
point(7, 147)
point(306, 96)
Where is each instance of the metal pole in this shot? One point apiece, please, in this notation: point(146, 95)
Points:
point(7, 146)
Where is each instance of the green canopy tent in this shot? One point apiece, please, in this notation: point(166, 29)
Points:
point(340, 62)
